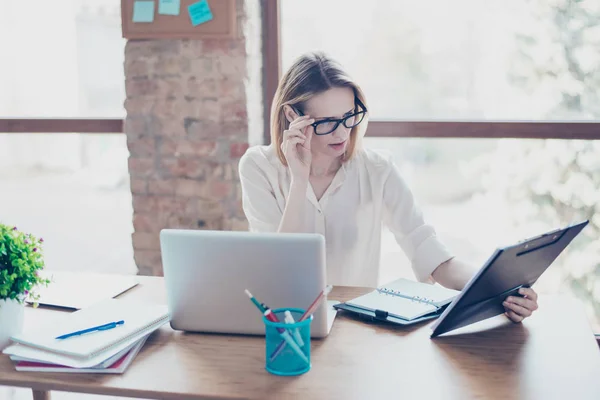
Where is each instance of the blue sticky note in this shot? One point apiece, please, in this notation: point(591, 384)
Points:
point(143, 11)
point(169, 7)
point(200, 12)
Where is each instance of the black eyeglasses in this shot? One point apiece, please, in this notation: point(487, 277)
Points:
point(328, 125)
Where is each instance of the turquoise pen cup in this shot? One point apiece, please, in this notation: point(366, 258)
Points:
point(287, 344)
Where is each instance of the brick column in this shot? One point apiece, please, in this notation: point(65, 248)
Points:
point(187, 126)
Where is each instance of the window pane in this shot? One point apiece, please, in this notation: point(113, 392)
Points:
point(63, 60)
point(73, 191)
point(480, 194)
point(463, 59)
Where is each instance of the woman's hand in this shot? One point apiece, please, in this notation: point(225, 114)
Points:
point(296, 147)
point(519, 308)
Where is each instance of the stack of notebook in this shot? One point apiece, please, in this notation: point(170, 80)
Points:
point(97, 351)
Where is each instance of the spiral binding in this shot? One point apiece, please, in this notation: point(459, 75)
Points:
point(397, 293)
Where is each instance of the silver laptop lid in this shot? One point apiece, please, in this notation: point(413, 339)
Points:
point(206, 273)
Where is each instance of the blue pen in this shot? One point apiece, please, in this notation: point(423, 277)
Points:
point(104, 327)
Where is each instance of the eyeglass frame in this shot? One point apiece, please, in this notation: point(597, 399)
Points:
point(337, 121)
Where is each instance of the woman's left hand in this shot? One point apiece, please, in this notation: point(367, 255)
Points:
point(519, 308)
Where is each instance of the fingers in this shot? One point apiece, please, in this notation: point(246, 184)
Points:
point(301, 123)
point(293, 133)
point(294, 141)
point(297, 133)
point(529, 293)
point(290, 134)
point(299, 119)
point(289, 146)
point(517, 309)
point(514, 317)
point(530, 304)
point(308, 139)
point(292, 137)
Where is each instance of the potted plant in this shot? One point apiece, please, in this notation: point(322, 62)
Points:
point(21, 260)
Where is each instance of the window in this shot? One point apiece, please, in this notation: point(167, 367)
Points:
point(65, 60)
point(482, 62)
point(465, 59)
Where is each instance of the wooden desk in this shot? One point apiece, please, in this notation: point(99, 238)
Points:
point(552, 355)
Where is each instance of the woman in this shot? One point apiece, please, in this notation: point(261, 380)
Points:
point(316, 177)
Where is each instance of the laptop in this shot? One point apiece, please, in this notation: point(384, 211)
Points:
point(207, 272)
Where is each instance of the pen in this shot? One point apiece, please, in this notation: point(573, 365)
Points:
point(311, 309)
point(289, 319)
point(286, 336)
point(261, 306)
point(104, 327)
point(306, 314)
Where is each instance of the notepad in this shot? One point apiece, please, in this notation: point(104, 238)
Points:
point(117, 364)
point(140, 319)
point(22, 352)
point(405, 299)
point(112, 358)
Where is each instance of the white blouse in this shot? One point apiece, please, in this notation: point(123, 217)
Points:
point(366, 192)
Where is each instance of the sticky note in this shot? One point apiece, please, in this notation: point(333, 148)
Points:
point(200, 12)
point(169, 7)
point(143, 11)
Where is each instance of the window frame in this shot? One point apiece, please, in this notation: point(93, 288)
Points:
point(61, 125)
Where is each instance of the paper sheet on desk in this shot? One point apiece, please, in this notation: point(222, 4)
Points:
point(77, 290)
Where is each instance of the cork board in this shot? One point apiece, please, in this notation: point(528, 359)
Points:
point(223, 24)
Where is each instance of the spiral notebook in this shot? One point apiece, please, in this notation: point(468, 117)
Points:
point(402, 301)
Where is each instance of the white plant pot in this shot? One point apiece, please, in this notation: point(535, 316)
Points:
point(11, 320)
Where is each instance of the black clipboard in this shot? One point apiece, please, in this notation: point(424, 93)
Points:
point(503, 274)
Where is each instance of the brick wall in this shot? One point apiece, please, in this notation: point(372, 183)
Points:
point(187, 125)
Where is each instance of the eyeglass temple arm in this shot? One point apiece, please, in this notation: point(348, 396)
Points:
point(360, 103)
point(297, 111)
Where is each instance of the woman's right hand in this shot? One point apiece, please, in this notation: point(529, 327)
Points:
point(296, 147)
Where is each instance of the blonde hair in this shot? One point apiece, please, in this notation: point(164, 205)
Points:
point(311, 74)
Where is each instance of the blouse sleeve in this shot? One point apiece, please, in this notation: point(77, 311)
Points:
point(417, 239)
point(258, 199)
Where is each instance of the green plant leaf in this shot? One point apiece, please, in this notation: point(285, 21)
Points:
point(19, 264)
